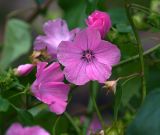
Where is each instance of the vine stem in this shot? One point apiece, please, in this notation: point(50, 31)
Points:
point(73, 123)
point(95, 106)
point(140, 49)
point(55, 125)
point(149, 51)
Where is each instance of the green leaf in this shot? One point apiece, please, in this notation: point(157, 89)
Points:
point(25, 117)
point(123, 28)
point(147, 120)
point(4, 104)
point(118, 15)
point(118, 97)
point(17, 42)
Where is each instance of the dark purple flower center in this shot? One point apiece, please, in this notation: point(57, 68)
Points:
point(88, 55)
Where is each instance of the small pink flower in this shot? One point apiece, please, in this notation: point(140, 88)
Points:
point(49, 88)
point(100, 21)
point(87, 57)
point(17, 129)
point(55, 32)
point(24, 70)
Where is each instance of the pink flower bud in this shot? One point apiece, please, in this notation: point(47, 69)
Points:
point(100, 21)
point(24, 70)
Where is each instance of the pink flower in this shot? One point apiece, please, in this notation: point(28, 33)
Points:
point(24, 70)
point(49, 88)
point(17, 129)
point(87, 57)
point(55, 32)
point(100, 21)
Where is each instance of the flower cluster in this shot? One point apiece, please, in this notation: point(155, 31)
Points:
point(83, 54)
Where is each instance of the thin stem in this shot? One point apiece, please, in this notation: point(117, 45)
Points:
point(90, 107)
point(73, 123)
point(55, 125)
point(96, 107)
point(140, 49)
point(20, 93)
point(131, 59)
point(144, 8)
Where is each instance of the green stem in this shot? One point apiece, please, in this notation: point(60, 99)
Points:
point(144, 8)
point(96, 107)
point(73, 123)
point(149, 51)
point(55, 125)
point(140, 49)
point(90, 107)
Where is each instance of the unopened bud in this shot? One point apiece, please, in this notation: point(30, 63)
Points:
point(23, 70)
point(111, 85)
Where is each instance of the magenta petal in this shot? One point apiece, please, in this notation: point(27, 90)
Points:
point(107, 53)
point(40, 68)
point(56, 28)
point(35, 130)
point(18, 131)
point(88, 39)
point(98, 71)
point(46, 42)
point(74, 32)
point(58, 107)
point(76, 73)
point(68, 53)
point(51, 73)
point(53, 92)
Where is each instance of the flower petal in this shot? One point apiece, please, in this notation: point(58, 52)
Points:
point(68, 53)
point(74, 32)
point(53, 92)
point(12, 131)
point(107, 53)
point(58, 107)
point(40, 68)
point(56, 28)
point(46, 42)
point(35, 130)
point(52, 73)
point(88, 39)
point(76, 73)
point(98, 71)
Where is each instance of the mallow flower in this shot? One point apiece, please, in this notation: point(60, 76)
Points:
point(49, 88)
point(55, 32)
point(18, 129)
point(87, 57)
point(99, 20)
point(23, 70)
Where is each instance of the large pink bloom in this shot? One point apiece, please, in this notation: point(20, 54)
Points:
point(49, 88)
point(100, 21)
point(55, 32)
point(17, 129)
point(87, 57)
